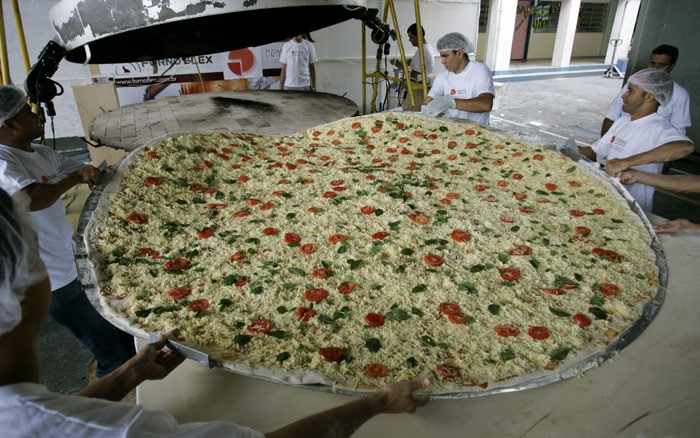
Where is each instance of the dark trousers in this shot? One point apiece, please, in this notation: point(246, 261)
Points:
point(111, 347)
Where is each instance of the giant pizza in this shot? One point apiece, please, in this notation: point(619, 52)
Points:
point(373, 249)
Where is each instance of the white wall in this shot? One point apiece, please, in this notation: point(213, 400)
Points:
point(38, 31)
point(586, 45)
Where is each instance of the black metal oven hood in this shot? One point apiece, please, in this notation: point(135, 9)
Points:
point(115, 31)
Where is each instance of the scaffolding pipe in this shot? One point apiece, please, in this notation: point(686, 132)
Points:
point(421, 52)
point(377, 74)
point(4, 65)
point(20, 35)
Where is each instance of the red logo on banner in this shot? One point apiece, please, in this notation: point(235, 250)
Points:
point(240, 61)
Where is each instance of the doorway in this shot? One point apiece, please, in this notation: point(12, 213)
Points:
point(518, 50)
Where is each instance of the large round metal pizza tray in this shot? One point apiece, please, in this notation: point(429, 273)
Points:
point(583, 361)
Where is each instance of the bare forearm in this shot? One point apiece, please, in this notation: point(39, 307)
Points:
point(116, 385)
point(341, 421)
point(607, 123)
point(312, 72)
point(675, 183)
point(668, 152)
point(44, 195)
point(283, 76)
point(480, 104)
point(588, 153)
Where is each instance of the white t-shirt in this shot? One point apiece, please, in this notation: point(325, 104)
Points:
point(20, 265)
point(626, 138)
point(677, 111)
point(20, 169)
point(474, 80)
point(29, 409)
point(429, 61)
point(297, 57)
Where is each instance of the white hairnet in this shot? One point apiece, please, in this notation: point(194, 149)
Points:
point(656, 82)
point(20, 265)
point(455, 41)
point(12, 99)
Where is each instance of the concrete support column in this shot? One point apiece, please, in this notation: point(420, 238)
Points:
point(499, 34)
point(566, 31)
point(622, 29)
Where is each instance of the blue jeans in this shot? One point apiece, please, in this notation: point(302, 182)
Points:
point(111, 347)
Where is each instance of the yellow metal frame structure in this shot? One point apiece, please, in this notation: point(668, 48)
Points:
point(378, 75)
point(5, 78)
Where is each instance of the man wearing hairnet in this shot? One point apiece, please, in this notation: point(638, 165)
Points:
point(677, 112)
point(464, 88)
point(27, 408)
point(641, 138)
point(44, 176)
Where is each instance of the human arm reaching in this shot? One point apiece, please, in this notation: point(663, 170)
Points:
point(343, 420)
point(675, 183)
point(152, 362)
point(43, 195)
point(479, 104)
point(482, 103)
point(671, 151)
point(588, 152)
point(676, 226)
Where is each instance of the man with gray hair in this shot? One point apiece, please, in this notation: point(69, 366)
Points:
point(641, 138)
point(44, 176)
point(463, 87)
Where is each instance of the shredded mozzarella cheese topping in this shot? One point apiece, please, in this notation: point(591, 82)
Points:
point(210, 234)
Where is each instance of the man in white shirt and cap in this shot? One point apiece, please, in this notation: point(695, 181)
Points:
point(677, 111)
point(464, 89)
point(415, 69)
point(641, 138)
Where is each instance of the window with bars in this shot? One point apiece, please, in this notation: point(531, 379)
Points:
point(591, 17)
point(483, 16)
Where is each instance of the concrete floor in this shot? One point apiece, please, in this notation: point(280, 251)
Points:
point(537, 111)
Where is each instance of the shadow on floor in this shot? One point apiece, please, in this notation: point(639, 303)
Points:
point(63, 360)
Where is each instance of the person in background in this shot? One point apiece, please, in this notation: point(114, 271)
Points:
point(674, 183)
point(27, 408)
point(414, 65)
point(464, 88)
point(44, 176)
point(414, 68)
point(298, 60)
point(677, 111)
point(641, 130)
